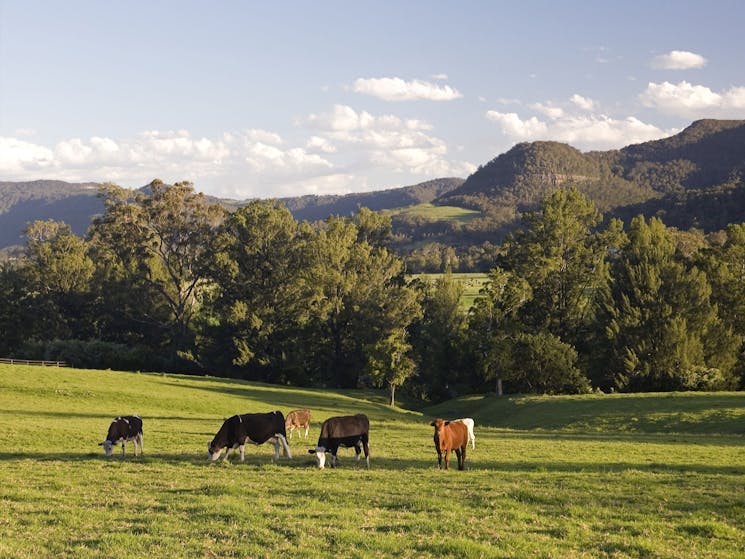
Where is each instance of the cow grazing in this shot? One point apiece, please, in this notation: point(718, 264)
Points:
point(468, 422)
point(347, 431)
point(254, 428)
point(450, 436)
point(297, 419)
point(122, 430)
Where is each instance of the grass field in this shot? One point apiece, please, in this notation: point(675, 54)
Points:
point(440, 213)
point(592, 476)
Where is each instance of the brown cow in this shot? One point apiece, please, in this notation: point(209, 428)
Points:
point(297, 419)
point(450, 436)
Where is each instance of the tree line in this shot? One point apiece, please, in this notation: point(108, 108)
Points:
point(165, 280)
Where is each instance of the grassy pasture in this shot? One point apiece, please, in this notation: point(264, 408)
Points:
point(592, 476)
point(440, 213)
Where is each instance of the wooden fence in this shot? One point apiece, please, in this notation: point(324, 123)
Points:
point(10, 361)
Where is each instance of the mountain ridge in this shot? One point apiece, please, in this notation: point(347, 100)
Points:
point(695, 178)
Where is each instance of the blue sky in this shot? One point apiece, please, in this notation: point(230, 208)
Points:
point(260, 99)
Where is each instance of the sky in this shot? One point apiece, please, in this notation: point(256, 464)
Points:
point(271, 99)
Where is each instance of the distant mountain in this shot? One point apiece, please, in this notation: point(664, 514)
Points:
point(314, 208)
point(22, 203)
point(693, 179)
point(705, 162)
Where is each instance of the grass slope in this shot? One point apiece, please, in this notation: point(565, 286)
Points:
point(439, 213)
point(598, 476)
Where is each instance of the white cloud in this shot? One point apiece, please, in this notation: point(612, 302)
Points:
point(584, 103)
point(551, 111)
point(516, 128)
point(18, 156)
point(581, 131)
point(396, 144)
point(341, 147)
point(694, 101)
point(439, 76)
point(316, 143)
point(678, 60)
point(397, 89)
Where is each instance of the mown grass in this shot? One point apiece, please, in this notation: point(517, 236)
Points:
point(591, 476)
point(440, 213)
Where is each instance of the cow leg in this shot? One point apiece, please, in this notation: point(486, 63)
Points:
point(366, 448)
point(290, 433)
point(227, 451)
point(447, 458)
point(285, 446)
point(124, 444)
point(462, 461)
point(439, 459)
point(357, 452)
point(142, 443)
point(307, 428)
point(242, 448)
point(276, 449)
point(333, 459)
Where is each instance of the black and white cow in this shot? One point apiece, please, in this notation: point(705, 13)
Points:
point(347, 431)
point(122, 430)
point(254, 428)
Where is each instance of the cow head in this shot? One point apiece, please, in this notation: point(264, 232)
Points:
point(214, 451)
point(108, 447)
point(438, 423)
point(320, 452)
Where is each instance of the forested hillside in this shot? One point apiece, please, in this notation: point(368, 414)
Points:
point(22, 203)
point(168, 280)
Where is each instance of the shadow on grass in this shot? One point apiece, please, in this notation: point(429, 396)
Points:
point(271, 397)
point(300, 462)
point(101, 416)
point(674, 412)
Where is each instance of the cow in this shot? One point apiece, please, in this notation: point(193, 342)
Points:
point(297, 419)
point(347, 431)
point(450, 436)
point(122, 430)
point(255, 428)
point(469, 424)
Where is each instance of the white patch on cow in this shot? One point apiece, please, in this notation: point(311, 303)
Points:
point(108, 448)
point(468, 422)
point(320, 453)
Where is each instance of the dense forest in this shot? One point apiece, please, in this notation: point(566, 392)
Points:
point(166, 279)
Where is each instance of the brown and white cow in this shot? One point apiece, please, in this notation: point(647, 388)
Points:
point(469, 424)
point(450, 436)
point(122, 430)
point(347, 431)
point(297, 419)
point(254, 428)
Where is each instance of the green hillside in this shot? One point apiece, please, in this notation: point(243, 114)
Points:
point(597, 476)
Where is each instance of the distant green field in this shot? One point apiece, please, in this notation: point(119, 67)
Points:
point(440, 213)
point(611, 476)
point(471, 283)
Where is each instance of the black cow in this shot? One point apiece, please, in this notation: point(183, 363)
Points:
point(255, 428)
point(122, 430)
point(347, 431)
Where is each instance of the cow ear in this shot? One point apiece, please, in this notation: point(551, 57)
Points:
point(432, 423)
point(311, 451)
point(100, 444)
